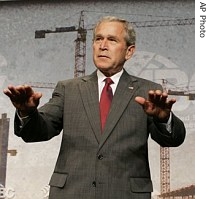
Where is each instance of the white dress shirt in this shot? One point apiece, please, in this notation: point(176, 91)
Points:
point(101, 77)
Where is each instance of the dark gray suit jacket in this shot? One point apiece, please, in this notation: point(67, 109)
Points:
point(91, 165)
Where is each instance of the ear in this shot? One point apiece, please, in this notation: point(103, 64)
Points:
point(130, 51)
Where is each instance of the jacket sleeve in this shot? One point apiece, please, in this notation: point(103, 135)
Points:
point(44, 123)
point(160, 134)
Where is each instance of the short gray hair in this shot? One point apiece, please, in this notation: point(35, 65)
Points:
point(130, 37)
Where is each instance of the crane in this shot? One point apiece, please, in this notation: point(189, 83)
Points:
point(80, 64)
point(80, 48)
point(164, 161)
point(164, 151)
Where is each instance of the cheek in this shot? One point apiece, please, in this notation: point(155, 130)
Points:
point(94, 48)
point(120, 55)
point(94, 52)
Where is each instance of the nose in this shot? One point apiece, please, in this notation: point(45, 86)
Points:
point(103, 44)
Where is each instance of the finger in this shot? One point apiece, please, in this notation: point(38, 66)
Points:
point(157, 95)
point(29, 91)
point(151, 95)
point(164, 97)
point(7, 92)
point(171, 102)
point(154, 96)
point(11, 92)
point(19, 94)
point(21, 90)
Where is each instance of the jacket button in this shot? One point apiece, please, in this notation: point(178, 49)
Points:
point(94, 183)
point(100, 157)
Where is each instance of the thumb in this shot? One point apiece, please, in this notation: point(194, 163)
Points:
point(37, 95)
point(36, 98)
point(140, 100)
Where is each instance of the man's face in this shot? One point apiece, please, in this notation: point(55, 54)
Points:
point(109, 47)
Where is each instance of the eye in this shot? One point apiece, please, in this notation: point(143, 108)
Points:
point(112, 39)
point(97, 39)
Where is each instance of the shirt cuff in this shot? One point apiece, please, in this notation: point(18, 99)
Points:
point(168, 124)
point(22, 119)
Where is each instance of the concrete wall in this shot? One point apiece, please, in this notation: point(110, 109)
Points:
point(163, 52)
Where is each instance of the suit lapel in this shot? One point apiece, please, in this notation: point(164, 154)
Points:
point(122, 96)
point(89, 93)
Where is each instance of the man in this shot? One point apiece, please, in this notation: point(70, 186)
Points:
point(101, 162)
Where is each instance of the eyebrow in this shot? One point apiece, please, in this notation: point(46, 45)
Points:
point(108, 36)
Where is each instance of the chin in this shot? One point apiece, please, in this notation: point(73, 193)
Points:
point(104, 69)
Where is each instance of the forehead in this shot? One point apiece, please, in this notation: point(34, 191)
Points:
point(110, 28)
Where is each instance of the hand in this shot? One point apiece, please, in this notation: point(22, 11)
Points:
point(24, 99)
point(157, 105)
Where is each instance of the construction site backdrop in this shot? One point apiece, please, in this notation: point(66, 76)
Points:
point(42, 43)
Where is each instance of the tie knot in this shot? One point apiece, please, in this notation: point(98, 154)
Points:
point(108, 80)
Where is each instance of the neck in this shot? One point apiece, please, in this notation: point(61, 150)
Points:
point(109, 73)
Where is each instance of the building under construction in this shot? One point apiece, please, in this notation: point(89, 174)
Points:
point(4, 132)
point(182, 193)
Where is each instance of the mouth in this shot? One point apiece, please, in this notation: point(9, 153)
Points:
point(103, 56)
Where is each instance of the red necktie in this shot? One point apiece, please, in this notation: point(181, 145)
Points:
point(105, 101)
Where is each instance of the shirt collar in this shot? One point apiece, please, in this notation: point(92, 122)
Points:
point(115, 78)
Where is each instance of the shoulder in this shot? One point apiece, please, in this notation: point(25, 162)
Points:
point(144, 82)
point(77, 80)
